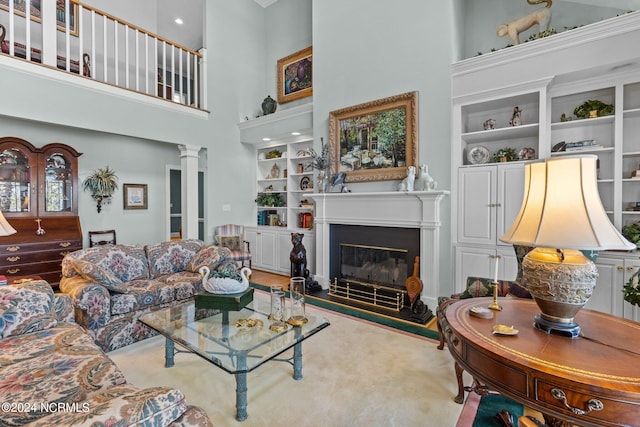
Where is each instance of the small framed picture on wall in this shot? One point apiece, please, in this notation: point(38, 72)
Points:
point(135, 196)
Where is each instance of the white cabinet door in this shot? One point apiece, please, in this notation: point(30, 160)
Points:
point(268, 249)
point(613, 274)
point(284, 250)
point(510, 184)
point(481, 262)
point(489, 199)
point(607, 295)
point(476, 205)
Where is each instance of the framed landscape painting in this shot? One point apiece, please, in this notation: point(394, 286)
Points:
point(20, 9)
point(295, 76)
point(377, 140)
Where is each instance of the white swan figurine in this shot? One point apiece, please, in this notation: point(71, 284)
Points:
point(224, 285)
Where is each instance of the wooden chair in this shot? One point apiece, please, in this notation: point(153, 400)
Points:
point(104, 237)
point(231, 236)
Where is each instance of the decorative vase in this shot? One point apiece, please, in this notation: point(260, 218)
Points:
point(269, 105)
point(224, 285)
point(323, 180)
point(296, 291)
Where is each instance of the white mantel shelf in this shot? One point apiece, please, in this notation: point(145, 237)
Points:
point(415, 209)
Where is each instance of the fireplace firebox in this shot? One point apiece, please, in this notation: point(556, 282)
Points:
point(370, 265)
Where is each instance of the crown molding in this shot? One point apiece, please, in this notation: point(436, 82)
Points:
point(265, 3)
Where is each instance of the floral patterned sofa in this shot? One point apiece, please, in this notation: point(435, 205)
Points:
point(112, 285)
point(53, 374)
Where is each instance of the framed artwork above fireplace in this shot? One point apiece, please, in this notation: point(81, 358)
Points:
point(377, 140)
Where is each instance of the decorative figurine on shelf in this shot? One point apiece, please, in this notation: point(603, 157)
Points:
point(542, 17)
point(298, 256)
point(338, 179)
point(40, 231)
point(489, 124)
point(408, 183)
point(269, 105)
point(275, 171)
point(516, 118)
point(425, 182)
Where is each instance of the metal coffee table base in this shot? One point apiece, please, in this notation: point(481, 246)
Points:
point(241, 376)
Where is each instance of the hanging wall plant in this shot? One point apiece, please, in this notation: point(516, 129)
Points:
point(102, 183)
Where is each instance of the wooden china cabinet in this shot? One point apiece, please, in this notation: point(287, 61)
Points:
point(39, 198)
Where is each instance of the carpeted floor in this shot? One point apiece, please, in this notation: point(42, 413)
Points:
point(356, 373)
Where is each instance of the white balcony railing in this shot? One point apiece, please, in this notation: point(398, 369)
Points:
point(79, 39)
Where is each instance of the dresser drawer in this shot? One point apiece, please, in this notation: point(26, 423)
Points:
point(19, 248)
point(31, 257)
point(586, 405)
point(32, 268)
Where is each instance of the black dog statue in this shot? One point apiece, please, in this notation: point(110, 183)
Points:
point(298, 258)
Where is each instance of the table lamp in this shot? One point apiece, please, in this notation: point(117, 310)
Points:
point(5, 228)
point(561, 215)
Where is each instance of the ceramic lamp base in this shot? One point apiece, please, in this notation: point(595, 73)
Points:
point(567, 329)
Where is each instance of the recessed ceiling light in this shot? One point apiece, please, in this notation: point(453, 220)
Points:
point(266, 139)
point(295, 133)
point(179, 21)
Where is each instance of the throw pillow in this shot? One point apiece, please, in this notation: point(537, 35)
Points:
point(233, 241)
point(209, 256)
point(27, 307)
point(94, 273)
point(483, 287)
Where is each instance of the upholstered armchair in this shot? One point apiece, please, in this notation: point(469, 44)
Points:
point(231, 236)
point(483, 287)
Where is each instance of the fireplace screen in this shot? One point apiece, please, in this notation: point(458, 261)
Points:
point(372, 275)
point(374, 265)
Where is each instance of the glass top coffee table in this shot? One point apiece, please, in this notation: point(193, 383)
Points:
point(235, 341)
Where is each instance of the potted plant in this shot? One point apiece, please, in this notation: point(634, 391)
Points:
point(593, 108)
point(270, 199)
point(321, 162)
point(101, 183)
point(507, 154)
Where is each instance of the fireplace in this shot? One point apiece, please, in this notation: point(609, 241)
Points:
point(370, 265)
point(368, 214)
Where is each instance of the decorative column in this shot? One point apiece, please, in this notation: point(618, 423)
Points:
point(189, 183)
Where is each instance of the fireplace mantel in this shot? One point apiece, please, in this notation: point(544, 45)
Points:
point(416, 209)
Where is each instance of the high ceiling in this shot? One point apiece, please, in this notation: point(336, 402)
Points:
point(190, 33)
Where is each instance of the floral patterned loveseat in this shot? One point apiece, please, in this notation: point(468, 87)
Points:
point(53, 374)
point(112, 285)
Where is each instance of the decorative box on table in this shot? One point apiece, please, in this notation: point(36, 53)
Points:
point(231, 302)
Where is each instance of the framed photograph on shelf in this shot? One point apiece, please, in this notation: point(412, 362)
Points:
point(294, 76)
point(377, 140)
point(135, 196)
point(61, 16)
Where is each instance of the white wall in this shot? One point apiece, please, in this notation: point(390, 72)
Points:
point(363, 53)
point(136, 161)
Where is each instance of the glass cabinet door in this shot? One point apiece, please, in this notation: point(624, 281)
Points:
point(58, 183)
point(16, 179)
point(58, 180)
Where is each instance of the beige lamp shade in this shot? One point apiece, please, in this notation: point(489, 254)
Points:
point(561, 208)
point(5, 228)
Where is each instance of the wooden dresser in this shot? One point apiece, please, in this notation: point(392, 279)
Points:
point(38, 188)
point(25, 253)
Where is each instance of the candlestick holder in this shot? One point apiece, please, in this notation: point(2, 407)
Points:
point(494, 305)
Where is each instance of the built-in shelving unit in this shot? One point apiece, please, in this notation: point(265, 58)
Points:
point(281, 142)
point(485, 193)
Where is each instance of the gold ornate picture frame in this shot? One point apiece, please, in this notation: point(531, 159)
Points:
point(295, 76)
point(377, 140)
